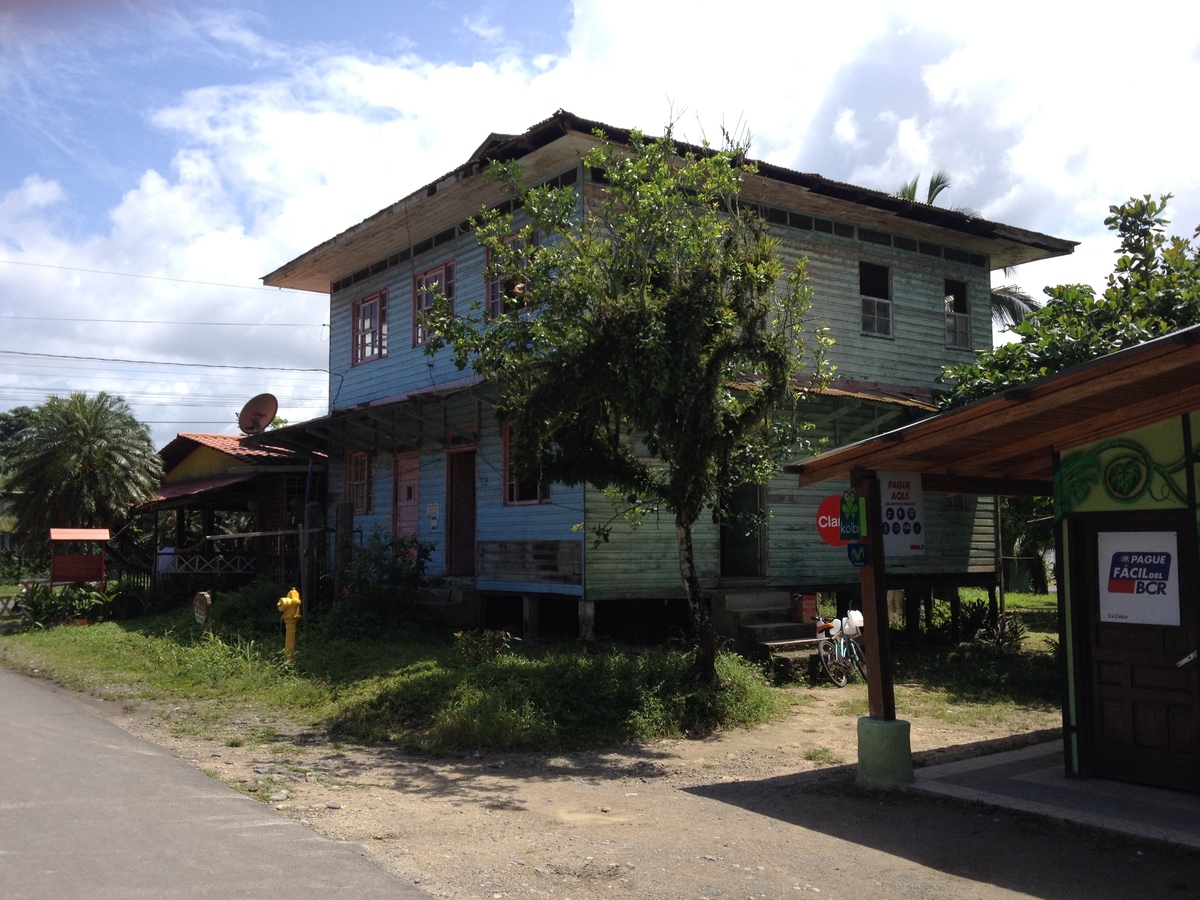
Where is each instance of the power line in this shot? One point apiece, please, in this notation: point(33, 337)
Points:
point(171, 322)
point(242, 287)
point(157, 362)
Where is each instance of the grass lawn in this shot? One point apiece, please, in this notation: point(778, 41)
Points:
point(427, 691)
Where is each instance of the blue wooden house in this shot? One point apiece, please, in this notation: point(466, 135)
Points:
point(415, 445)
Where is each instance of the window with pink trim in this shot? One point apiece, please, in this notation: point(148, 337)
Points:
point(438, 280)
point(369, 328)
point(519, 491)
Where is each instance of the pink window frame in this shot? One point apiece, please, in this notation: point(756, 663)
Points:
point(512, 485)
point(374, 336)
point(444, 276)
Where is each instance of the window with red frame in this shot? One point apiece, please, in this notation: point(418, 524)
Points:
point(438, 280)
point(369, 329)
point(358, 480)
point(519, 491)
point(501, 293)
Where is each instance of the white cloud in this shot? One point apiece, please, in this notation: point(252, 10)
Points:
point(1041, 126)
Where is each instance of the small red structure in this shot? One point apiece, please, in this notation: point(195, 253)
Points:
point(69, 568)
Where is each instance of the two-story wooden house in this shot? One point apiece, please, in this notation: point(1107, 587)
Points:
point(415, 445)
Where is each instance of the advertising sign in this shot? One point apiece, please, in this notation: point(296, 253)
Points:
point(829, 521)
point(854, 517)
point(903, 508)
point(1139, 577)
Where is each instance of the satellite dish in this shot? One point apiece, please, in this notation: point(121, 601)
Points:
point(258, 413)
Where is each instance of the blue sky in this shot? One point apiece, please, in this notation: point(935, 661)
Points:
point(157, 157)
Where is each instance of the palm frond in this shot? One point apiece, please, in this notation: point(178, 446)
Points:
point(1010, 305)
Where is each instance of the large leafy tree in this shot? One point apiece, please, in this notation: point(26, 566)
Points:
point(1154, 290)
point(80, 461)
point(649, 343)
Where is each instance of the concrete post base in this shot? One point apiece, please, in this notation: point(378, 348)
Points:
point(884, 753)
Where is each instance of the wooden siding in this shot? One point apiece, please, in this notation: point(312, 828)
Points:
point(529, 562)
point(643, 562)
point(960, 538)
point(916, 352)
point(405, 367)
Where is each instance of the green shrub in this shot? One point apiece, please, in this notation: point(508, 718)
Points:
point(251, 609)
point(559, 699)
point(476, 647)
point(378, 582)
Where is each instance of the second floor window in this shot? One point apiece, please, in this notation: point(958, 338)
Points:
point(438, 280)
point(958, 318)
point(874, 285)
point(503, 293)
point(369, 328)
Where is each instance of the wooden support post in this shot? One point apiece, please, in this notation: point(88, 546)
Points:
point(529, 613)
point(881, 697)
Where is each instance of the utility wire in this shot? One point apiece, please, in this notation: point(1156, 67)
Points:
point(171, 322)
point(242, 287)
point(156, 362)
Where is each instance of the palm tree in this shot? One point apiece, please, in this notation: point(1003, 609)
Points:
point(1010, 304)
point(80, 462)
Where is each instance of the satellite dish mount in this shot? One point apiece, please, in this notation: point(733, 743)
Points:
point(258, 414)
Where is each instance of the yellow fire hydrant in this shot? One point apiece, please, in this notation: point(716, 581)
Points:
point(289, 606)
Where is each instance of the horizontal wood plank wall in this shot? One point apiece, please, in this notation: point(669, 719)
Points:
point(405, 368)
point(528, 562)
point(916, 352)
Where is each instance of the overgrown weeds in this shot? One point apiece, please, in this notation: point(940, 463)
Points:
point(417, 688)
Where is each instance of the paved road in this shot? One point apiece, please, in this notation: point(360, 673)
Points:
point(88, 810)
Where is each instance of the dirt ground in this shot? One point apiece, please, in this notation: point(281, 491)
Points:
point(763, 813)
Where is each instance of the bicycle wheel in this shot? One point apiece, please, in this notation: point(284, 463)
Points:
point(860, 661)
point(835, 666)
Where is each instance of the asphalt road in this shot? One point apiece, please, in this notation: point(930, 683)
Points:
point(89, 811)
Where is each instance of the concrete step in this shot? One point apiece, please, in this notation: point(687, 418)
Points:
point(763, 633)
point(743, 601)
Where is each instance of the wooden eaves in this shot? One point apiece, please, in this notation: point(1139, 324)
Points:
point(1006, 444)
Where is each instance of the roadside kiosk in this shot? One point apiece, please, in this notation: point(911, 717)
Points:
point(1116, 442)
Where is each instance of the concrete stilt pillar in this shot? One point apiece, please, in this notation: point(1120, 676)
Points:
point(529, 607)
point(884, 753)
point(587, 620)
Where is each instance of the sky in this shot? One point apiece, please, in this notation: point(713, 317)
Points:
point(158, 157)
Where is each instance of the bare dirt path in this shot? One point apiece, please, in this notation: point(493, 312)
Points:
point(738, 815)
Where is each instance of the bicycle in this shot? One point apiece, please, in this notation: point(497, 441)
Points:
point(840, 653)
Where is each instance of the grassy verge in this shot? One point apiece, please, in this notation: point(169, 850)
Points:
point(422, 690)
point(414, 688)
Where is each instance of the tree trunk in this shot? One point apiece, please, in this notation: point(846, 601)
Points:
point(702, 625)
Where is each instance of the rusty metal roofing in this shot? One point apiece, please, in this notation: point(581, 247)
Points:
point(186, 443)
point(1006, 444)
point(193, 487)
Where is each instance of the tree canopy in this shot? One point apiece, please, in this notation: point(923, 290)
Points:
point(79, 461)
point(656, 315)
point(1153, 290)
